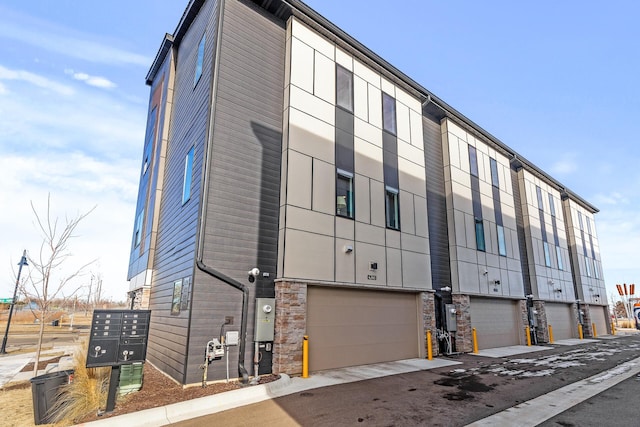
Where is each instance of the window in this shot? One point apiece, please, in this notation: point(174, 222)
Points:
point(138, 231)
point(547, 255)
point(148, 144)
point(344, 194)
point(389, 113)
point(580, 221)
point(480, 235)
point(176, 300)
point(188, 172)
point(473, 161)
point(587, 263)
point(559, 257)
point(552, 207)
point(344, 88)
point(502, 244)
point(200, 60)
point(595, 269)
point(539, 194)
point(494, 172)
point(392, 208)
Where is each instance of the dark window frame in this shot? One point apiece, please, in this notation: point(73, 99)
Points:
point(199, 60)
point(502, 243)
point(342, 175)
point(481, 243)
point(342, 72)
point(473, 161)
point(389, 114)
point(392, 208)
point(495, 180)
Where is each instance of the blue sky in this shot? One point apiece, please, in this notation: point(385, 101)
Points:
point(556, 81)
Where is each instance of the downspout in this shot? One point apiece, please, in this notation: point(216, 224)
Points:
point(242, 371)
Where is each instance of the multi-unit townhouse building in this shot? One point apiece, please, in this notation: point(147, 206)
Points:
point(373, 211)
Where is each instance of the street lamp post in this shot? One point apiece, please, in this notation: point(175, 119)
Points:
point(23, 262)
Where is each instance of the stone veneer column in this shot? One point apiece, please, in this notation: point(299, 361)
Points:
point(290, 327)
point(542, 323)
point(429, 321)
point(464, 339)
point(524, 322)
point(587, 330)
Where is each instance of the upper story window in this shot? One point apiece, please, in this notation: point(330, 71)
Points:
point(502, 244)
point(480, 243)
point(392, 207)
point(547, 254)
point(344, 88)
point(473, 160)
point(138, 231)
point(552, 206)
point(188, 172)
point(494, 172)
point(580, 220)
point(539, 195)
point(589, 226)
point(148, 143)
point(344, 193)
point(559, 257)
point(389, 113)
point(587, 263)
point(200, 60)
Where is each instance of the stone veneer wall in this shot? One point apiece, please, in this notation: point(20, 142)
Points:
point(524, 322)
point(542, 323)
point(587, 330)
point(290, 327)
point(463, 337)
point(429, 321)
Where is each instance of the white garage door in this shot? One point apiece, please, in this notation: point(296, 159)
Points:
point(560, 317)
point(497, 322)
point(599, 317)
point(349, 327)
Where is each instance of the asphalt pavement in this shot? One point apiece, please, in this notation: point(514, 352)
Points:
point(558, 403)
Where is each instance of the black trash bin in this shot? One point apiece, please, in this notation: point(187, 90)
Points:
point(45, 391)
point(55, 322)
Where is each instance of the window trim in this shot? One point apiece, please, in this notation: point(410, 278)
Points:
point(396, 207)
point(188, 176)
point(350, 201)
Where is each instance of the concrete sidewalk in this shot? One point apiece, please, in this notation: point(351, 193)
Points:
point(11, 365)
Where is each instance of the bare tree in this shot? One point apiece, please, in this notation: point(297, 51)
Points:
point(47, 279)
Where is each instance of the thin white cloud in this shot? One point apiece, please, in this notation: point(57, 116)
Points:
point(64, 41)
point(564, 167)
point(96, 81)
point(34, 79)
point(610, 199)
point(3, 89)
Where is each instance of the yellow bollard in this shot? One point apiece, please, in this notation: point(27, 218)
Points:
point(305, 356)
point(550, 335)
point(429, 349)
point(528, 332)
point(580, 331)
point(613, 328)
point(595, 333)
point(475, 340)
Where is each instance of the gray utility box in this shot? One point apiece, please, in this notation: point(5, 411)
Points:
point(265, 319)
point(451, 317)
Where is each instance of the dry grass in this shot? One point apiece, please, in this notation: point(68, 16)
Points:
point(85, 395)
point(17, 406)
point(624, 323)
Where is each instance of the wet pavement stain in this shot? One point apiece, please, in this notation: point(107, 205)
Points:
point(465, 383)
point(460, 395)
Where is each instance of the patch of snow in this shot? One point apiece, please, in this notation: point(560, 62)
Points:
point(610, 374)
point(543, 373)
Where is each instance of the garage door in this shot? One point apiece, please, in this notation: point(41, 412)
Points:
point(599, 317)
point(497, 322)
point(349, 327)
point(560, 317)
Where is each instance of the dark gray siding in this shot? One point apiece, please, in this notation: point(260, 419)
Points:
point(436, 204)
point(522, 242)
point(177, 228)
point(244, 179)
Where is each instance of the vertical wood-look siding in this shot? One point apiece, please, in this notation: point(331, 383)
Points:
point(436, 204)
point(244, 180)
point(176, 241)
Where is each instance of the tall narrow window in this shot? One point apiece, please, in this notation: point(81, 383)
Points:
point(502, 244)
point(138, 231)
point(539, 195)
point(344, 88)
point(480, 245)
point(587, 263)
point(595, 269)
point(200, 60)
point(547, 254)
point(344, 194)
point(473, 160)
point(552, 207)
point(559, 257)
point(580, 221)
point(389, 113)
point(392, 208)
point(148, 143)
point(188, 172)
point(494, 172)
